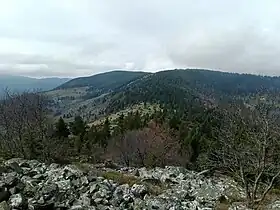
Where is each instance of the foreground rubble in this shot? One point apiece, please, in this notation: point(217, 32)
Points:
point(35, 186)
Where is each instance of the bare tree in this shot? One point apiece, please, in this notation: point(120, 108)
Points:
point(249, 150)
point(23, 124)
point(151, 146)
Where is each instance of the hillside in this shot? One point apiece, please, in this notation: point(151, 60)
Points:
point(20, 83)
point(217, 124)
point(185, 87)
point(113, 91)
point(104, 81)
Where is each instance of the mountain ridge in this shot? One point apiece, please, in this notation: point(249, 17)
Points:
point(181, 87)
point(23, 83)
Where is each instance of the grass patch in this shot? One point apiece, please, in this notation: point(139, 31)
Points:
point(120, 178)
point(156, 189)
point(222, 206)
point(153, 189)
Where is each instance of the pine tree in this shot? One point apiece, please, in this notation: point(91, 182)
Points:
point(121, 124)
point(106, 134)
point(79, 129)
point(78, 126)
point(61, 129)
point(137, 120)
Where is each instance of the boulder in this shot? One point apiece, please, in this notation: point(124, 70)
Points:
point(4, 194)
point(4, 206)
point(18, 201)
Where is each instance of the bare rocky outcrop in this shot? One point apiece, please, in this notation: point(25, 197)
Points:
point(29, 184)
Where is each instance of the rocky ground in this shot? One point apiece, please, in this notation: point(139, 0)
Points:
point(34, 185)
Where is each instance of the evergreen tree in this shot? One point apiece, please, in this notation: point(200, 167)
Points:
point(105, 133)
point(137, 120)
point(61, 129)
point(78, 126)
point(79, 129)
point(121, 124)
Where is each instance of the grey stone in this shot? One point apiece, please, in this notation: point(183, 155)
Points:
point(93, 188)
point(139, 190)
point(4, 194)
point(15, 167)
point(64, 185)
point(49, 190)
point(73, 171)
point(17, 201)
point(45, 206)
point(4, 206)
point(11, 179)
point(84, 180)
point(274, 205)
point(98, 200)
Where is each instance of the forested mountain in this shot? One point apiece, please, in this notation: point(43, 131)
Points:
point(179, 87)
point(105, 81)
point(21, 83)
point(116, 90)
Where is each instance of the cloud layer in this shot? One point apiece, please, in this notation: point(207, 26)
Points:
point(83, 37)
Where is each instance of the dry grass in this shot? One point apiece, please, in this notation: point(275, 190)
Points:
point(153, 189)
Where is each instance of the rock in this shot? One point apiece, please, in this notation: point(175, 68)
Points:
point(64, 185)
point(4, 194)
point(274, 206)
point(238, 206)
point(110, 164)
point(85, 200)
point(84, 180)
point(49, 191)
point(17, 201)
point(60, 187)
point(72, 170)
point(16, 160)
point(45, 206)
point(77, 207)
point(11, 179)
point(76, 183)
point(93, 188)
point(3, 169)
point(92, 176)
point(15, 167)
point(136, 172)
point(98, 200)
point(153, 181)
point(4, 206)
point(139, 190)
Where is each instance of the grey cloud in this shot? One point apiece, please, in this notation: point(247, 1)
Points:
point(238, 51)
point(80, 37)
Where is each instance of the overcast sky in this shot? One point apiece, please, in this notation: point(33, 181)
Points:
point(83, 37)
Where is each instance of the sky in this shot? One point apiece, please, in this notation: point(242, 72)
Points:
point(71, 38)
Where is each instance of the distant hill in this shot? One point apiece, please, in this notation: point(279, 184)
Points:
point(192, 86)
point(21, 83)
point(104, 81)
point(113, 91)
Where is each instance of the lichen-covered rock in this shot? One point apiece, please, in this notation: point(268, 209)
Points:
point(274, 206)
point(139, 190)
point(34, 185)
point(17, 201)
point(4, 194)
point(4, 206)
